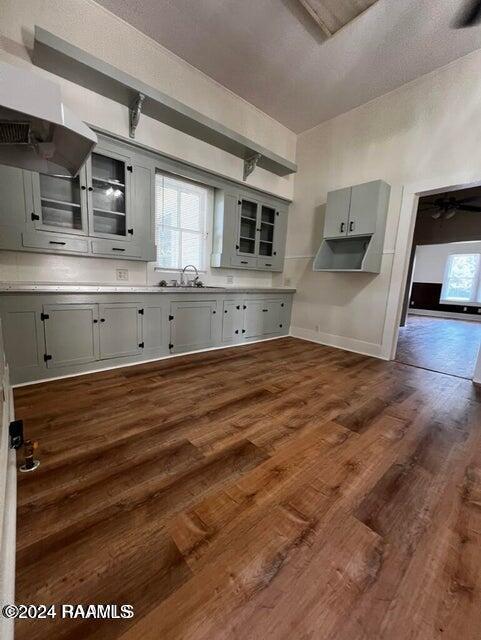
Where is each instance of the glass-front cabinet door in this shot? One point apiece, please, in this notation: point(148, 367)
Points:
point(267, 224)
point(109, 196)
point(247, 239)
point(60, 203)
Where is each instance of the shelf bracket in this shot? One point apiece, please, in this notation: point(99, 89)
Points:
point(250, 164)
point(134, 114)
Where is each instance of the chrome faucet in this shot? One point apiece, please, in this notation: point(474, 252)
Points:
point(189, 282)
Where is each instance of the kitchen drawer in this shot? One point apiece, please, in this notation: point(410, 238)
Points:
point(270, 264)
point(52, 242)
point(113, 248)
point(244, 261)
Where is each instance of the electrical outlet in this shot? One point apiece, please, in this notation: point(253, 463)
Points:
point(230, 279)
point(122, 274)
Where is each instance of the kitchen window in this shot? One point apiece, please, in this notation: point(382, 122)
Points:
point(461, 282)
point(182, 210)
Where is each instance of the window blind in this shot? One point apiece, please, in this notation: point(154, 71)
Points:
point(180, 222)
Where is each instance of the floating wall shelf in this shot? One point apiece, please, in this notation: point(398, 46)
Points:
point(65, 60)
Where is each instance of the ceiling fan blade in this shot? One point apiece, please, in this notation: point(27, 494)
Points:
point(470, 16)
point(468, 207)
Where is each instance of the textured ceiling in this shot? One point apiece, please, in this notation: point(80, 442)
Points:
point(273, 54)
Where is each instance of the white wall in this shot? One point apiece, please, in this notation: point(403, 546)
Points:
point(89, 26)
point(425, 131)
point(431, 259)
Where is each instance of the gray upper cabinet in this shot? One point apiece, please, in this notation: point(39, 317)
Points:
point(368, 204)
point(71, 337)
point(354, 228)
point(249, 232)
point(111, 204)
point(192, 325)
point(336, 221)
point(109, 194)
point(16, 204)
point(120, 330)
point(59, 203)
point(355, 211)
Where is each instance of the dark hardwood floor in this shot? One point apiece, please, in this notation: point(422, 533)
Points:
point(440, 344)
point(278, 490)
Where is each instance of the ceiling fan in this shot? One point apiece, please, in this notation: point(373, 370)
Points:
point(447, 208)
point(470, 15)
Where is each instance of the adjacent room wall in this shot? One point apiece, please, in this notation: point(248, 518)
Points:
point(89, 26)
point(426, 130)
point(431, 259)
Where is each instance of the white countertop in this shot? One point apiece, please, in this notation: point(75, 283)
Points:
point(15, 287)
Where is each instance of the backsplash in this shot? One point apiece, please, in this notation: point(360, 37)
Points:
point(50, 268)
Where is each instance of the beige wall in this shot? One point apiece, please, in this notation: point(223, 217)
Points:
point(428, 130)
point(89, 26)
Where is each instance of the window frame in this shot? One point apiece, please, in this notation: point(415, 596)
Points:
point(203, 233)
point(475, 297)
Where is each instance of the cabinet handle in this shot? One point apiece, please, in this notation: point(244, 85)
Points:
point(91, 188)
point(268, 264)
point(238, 306)
point(343, 224)
point(243, 330)
point(118, 249)
point(95, 321)
point(244, 262)
point(351, 225)
point(244, 306)
point(54, 242)
point(236, 331)
point(225, 310)
point(265, 310)
point(102, 319)
point(83, 187)
point(274, 253)
point(214, 311)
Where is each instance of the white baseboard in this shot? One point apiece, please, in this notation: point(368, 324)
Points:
point(339, 342)
point(134, 364)
point(470, 317)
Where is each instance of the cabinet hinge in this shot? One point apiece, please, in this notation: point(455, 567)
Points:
point(129, 168)
point(44, 316)
point(171, 318)
point(15, 431)
point(46, 357)
point(141, 312)
point(171, 346)
point(141, 345)
point(34, 216)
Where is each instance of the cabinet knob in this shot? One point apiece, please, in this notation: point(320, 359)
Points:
point(95, 321)
point(83, 187)
point(102, 319)
point(91, 188)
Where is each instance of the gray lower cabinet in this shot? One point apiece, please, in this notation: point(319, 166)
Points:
point(120, 330)
point(263, 317)
point(154, 332)
point(55, 334)
point(232, 321)
point(192, 325)
point(71, 335)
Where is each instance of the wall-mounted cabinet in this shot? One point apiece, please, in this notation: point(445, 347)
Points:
point(354, 229)
point(249, 232)
point(110, 204)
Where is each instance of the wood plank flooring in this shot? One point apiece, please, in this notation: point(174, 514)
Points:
point(440, 344)
point(279, 490)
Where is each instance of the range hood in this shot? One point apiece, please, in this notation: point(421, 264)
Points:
point(37, 131)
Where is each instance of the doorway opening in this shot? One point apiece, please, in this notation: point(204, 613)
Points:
point(440, 325)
